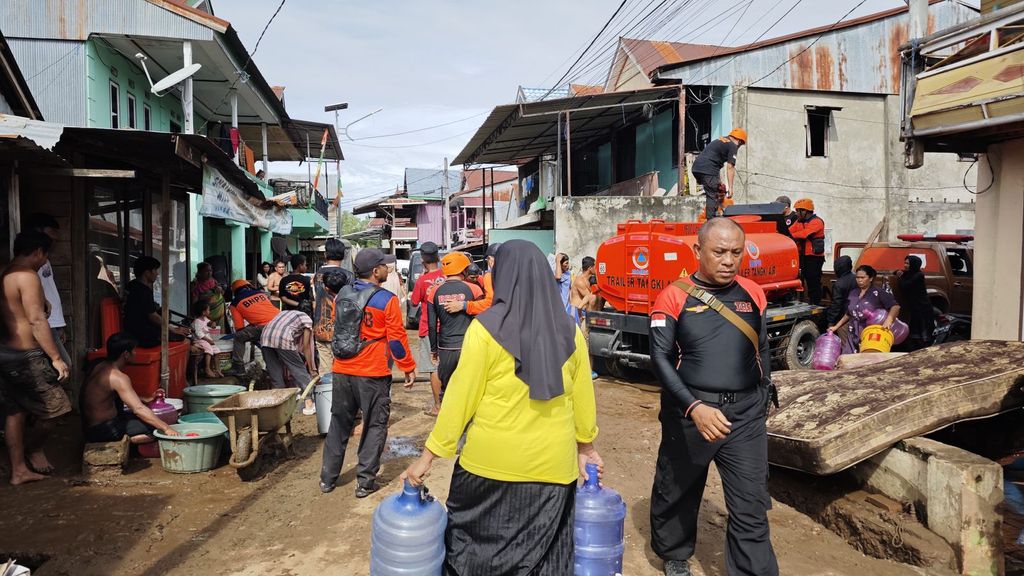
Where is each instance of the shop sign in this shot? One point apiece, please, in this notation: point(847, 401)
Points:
point(222, 199)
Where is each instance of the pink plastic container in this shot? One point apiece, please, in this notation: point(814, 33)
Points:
point(163, 410)
point(827, 349)
point(899, 329)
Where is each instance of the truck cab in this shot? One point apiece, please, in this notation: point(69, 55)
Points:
point(948, 266)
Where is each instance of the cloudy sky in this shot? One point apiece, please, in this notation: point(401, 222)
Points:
point(450, 61)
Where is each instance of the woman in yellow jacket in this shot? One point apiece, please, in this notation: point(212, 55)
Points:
point(523, 388)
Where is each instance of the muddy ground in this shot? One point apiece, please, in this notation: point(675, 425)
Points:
point(152, 523)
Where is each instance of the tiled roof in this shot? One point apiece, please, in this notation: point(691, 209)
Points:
point(538, 94)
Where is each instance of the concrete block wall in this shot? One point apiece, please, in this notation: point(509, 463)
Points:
point(582, 224)
point(957, 494)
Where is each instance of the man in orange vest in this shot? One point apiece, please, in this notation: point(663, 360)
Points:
point(809, 233)
point(707, 168)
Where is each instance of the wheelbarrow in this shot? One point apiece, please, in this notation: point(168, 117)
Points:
point(255, 420)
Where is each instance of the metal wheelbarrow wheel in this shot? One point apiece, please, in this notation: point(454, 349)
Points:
point(243, 445)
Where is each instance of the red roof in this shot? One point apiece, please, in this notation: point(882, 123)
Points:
point(653, 54)
point(585, 90)
point(475, 178)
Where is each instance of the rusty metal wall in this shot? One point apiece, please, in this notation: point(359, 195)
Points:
point(56, 74)
point(862, 59)
point(77, 19)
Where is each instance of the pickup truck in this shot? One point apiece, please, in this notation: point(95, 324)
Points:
point(948, 266)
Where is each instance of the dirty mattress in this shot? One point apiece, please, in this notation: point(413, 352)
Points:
point(830, 421)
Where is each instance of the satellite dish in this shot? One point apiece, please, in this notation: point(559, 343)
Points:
point(171, 79)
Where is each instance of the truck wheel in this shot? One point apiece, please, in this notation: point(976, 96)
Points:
point(799, 347)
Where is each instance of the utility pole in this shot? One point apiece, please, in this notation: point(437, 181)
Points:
point(447, 222)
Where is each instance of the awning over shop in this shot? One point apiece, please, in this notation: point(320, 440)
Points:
point(519, 133)
point(192, 162)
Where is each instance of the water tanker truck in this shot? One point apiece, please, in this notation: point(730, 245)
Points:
point(643, 258)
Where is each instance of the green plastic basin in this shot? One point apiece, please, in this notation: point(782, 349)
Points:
point(203, 418)
point(187, 455)
point(200, 398)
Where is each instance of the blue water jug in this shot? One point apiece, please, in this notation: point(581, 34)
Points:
point(599, 529)
point(408, 535)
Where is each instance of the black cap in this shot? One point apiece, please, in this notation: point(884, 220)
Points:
point(370, 258)
point(429, 248)
point(492, 249)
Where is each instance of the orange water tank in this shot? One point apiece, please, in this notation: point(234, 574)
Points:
point(634, 266)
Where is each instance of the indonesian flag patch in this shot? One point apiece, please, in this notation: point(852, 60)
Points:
point(658, 320)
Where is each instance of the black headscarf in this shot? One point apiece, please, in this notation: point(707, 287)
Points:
point(843, 266)
point(528, 320)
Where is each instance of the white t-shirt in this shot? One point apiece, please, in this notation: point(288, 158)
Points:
point(52, 296)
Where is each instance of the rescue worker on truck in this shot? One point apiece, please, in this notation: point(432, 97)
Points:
point(707, 169)
point(709, 349)
point(809, 233)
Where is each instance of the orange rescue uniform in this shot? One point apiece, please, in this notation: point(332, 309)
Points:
point(384, 333)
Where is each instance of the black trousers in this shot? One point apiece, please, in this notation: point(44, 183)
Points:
point(447, 362)
point(682, 472)
point(349, 395)
point(710, 182)
point(810, 268)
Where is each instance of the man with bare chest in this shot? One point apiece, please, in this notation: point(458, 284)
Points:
point(31, 367)
point(109, 391)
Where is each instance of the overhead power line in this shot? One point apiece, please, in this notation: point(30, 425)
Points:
point(603, 28)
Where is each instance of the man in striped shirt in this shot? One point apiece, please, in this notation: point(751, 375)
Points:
point(287, 344)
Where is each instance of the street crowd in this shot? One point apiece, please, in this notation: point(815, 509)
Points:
point(506, 351)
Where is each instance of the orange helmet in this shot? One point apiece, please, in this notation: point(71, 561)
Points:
point(804, 204)
point(454, 263)
point(739, 134)
point(239, 284)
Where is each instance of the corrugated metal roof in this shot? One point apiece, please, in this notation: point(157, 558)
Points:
point(77, 19)
point(44, 134)
point(55, 71)
point(537, 94)
point(650, 55)
point(859, 55)
point(429, 183)
point(519, 133)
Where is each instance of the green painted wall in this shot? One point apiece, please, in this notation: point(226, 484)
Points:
point(543, 239)
point(654, 141)
point(307, 223)
point(105, 66)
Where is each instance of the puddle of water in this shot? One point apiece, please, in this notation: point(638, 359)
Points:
point(403, 447)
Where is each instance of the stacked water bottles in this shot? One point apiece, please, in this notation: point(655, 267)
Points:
point(408, 535)
point(599, 529)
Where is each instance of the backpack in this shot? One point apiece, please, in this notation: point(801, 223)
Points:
point(349, 311)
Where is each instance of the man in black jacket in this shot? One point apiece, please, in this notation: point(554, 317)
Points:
point(844, 284)
point(714, 397)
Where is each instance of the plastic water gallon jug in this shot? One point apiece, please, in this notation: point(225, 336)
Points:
point(408, 535)
point(899, 329)
point(598, 531)
point(827, 349)
point(163, 410)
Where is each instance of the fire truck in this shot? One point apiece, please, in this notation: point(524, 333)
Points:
point(643, 258)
